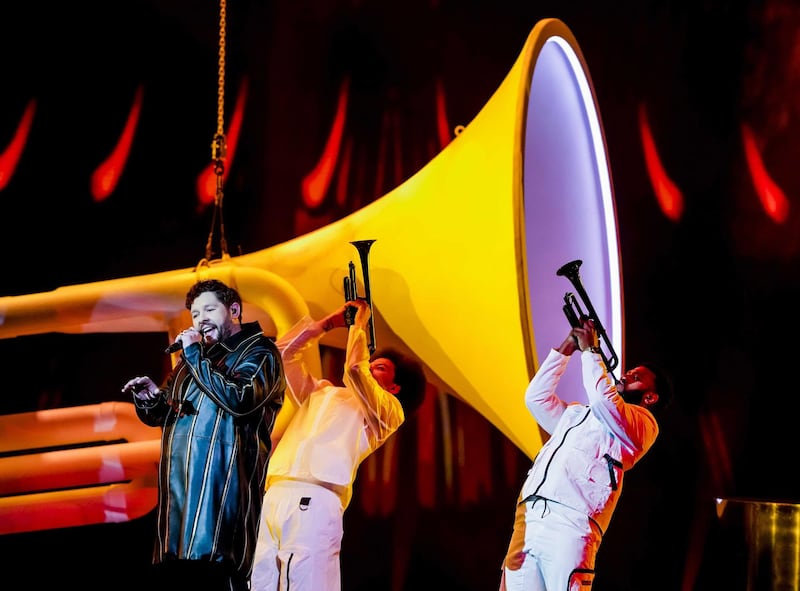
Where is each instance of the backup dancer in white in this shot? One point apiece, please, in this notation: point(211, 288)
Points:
point(573, 487)
point(311, 473)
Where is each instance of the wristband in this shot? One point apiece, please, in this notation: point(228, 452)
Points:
point(592, 349)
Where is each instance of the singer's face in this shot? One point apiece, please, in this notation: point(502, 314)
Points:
point(212, 318)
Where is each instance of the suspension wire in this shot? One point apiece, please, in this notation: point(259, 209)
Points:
point(219, 146)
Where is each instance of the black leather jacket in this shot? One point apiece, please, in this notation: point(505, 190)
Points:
point(217, 409)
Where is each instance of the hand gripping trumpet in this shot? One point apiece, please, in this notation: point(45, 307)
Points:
point(576, 315)
point(351, 290)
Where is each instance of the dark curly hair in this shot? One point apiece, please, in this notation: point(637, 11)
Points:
point(409, 375)
point(227, 295)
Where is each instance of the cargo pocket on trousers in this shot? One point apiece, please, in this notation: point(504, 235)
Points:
point(581, 579)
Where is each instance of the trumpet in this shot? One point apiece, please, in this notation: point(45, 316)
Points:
point(351, 290)
point(576, 315)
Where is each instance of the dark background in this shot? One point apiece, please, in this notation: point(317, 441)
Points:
point(710, 295)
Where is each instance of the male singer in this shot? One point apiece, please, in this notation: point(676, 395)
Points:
point(217, 409)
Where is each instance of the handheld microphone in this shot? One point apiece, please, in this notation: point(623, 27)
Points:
point(178, 345)
point(174, 347)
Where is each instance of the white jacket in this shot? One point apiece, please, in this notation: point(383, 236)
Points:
point(334, 428)
point(583, 462)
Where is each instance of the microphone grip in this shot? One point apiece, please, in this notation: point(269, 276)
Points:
point(178, 345)
point(174, 347)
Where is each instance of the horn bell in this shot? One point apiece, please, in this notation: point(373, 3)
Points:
point(464, 267)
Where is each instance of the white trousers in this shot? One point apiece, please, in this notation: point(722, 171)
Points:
point(560, 549)
point(299, 539)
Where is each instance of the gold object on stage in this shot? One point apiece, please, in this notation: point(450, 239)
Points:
point(766, 534)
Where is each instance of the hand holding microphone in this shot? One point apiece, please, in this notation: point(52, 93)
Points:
point(184, 339)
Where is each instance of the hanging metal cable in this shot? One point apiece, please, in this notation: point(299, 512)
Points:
point(219, 146)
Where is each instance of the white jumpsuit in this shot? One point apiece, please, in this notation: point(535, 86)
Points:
point(573, 487)
point(311, 472)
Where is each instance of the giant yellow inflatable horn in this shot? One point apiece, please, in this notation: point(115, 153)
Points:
point(464, 265)
point(466, 253)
